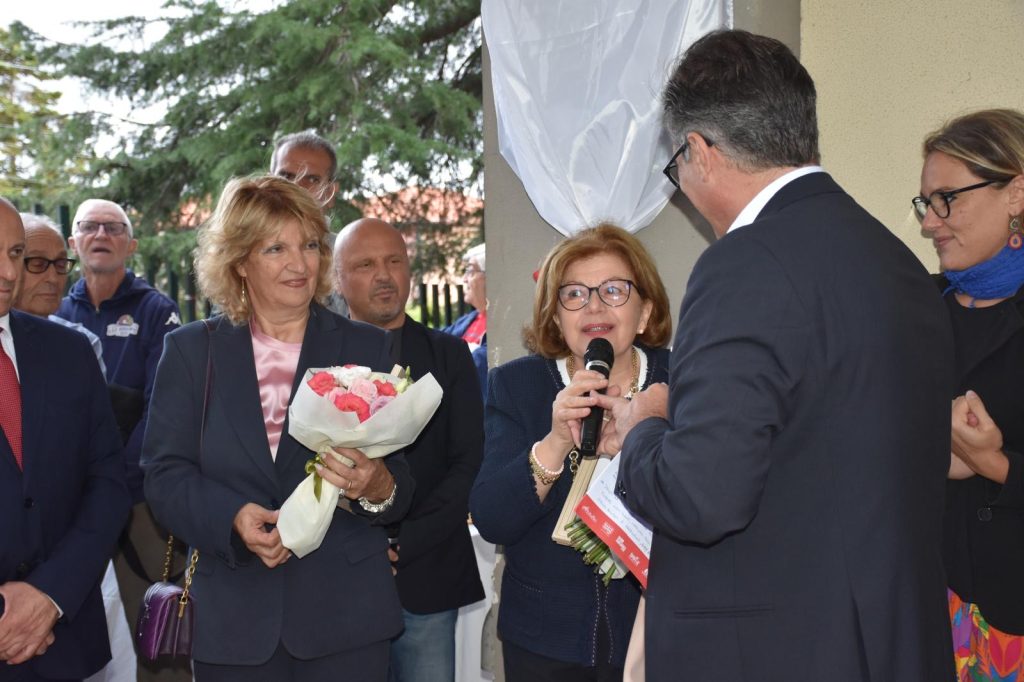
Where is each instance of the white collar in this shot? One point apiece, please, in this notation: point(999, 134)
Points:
point(753, 209)
point(563, 371)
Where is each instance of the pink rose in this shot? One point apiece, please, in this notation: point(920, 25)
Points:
point(364, 388)
point(379, 402)
point(347, 402)
point(385, 388)
point(322, 382)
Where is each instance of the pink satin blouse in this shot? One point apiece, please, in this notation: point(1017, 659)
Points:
point(276, 362)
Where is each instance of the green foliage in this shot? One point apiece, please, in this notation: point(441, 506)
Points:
point(172, 247)
point(27, 116)
point(396, 86)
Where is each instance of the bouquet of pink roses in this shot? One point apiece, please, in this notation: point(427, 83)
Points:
point(352, 407)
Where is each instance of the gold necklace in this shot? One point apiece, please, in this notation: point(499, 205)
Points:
point(634, 386)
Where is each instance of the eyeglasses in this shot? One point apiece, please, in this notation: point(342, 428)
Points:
point(113, 229)
point(671, 171)
point(37, 265)
point(941, 199)
point(613, 292)
point(472, 270)
point(322, 189)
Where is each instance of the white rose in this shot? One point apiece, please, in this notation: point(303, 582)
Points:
point(346, 375)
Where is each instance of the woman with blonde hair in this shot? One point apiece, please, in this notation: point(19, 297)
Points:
point(219, 461)
point(970, 206)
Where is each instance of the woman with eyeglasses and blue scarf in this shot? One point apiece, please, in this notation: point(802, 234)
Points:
point(971, 206)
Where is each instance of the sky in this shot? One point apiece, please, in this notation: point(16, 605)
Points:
point(56, 20)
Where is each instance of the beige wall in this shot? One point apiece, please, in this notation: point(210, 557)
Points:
point(890, 72)
point(518, 238)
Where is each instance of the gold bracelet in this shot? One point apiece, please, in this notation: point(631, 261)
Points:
point(544, 475)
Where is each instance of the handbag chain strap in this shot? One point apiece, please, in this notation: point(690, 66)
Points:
point(183, 601)
point(167, 558)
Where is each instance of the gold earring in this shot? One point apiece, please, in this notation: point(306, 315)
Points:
point(1015, 241)
point(244, 301)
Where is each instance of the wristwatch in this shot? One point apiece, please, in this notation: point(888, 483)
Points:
point(378, 507)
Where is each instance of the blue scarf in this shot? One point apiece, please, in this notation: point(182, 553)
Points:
point(998, 277)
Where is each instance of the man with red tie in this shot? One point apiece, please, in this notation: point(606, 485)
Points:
point(63, 500)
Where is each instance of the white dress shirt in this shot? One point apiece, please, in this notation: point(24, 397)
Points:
point(753, 209)
point(7, 341)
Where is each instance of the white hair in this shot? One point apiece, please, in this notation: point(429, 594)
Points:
point(34, 221)
point(90, 203)
point(477, 255)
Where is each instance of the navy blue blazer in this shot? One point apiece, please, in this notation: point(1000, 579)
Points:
point(796, 488)
point(60, 518)
point(549, 597)
point(341, 596)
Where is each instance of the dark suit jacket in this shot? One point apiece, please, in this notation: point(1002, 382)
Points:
point(60, 518)
point(437, 566)
point(339, 597)
point(797, 485)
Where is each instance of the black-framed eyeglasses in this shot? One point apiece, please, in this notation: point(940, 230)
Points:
point(613, 292)
point(37, 265)
point(671, 170)
point(113, 228)
point(941, 199)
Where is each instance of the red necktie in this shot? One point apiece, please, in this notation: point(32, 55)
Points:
point(10, 403)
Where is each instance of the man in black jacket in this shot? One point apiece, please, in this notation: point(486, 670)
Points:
point(436, 567)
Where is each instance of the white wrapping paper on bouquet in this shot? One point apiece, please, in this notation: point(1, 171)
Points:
point(315, 422)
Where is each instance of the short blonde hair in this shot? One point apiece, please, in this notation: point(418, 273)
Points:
point(543, 336)
point(989, 142)
point(251, 210)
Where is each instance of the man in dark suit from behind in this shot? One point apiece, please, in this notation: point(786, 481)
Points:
point(63, 499)
point(794, 467)
point(436, 565)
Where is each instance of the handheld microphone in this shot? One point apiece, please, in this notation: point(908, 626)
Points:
point(599, 358)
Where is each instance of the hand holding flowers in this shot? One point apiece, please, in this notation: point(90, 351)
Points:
point(366, 477)
point(350, 416)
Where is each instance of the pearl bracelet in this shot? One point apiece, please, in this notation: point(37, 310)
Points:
point(544, 475)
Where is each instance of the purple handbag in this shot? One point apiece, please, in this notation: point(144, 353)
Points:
point(167, 616)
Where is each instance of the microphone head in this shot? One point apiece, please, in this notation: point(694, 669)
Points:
point(599, 356)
